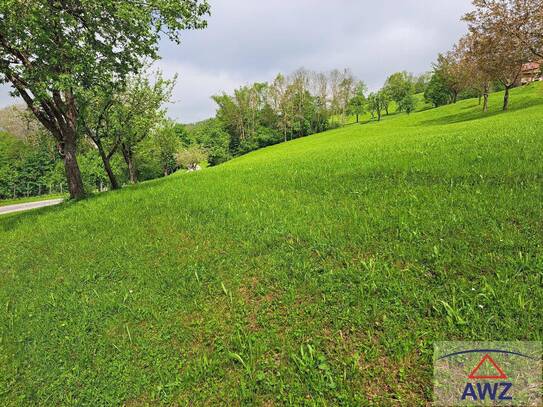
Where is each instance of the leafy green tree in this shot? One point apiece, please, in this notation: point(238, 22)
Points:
point(120, 119)
point(377, 102)
point(52, 50)
point(398, 86)
point(357, 104)
point(437, 92)
point(24, 166)
point(408, 104)
point(211, 136)
point(421, 82)
point(164, 143)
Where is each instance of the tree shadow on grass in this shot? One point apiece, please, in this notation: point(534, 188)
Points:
point(474, 112)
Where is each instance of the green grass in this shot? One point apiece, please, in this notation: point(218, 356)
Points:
point(6, 202)
point(315, 272)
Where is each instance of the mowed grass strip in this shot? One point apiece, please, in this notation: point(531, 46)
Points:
point(316, 272)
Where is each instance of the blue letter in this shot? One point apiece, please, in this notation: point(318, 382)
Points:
point(487, 388)
point(506, 387)
point(469, 390)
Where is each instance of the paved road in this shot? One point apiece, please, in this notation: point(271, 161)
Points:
point(28, 206)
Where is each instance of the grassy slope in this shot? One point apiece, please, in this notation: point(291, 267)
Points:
point(317, 270)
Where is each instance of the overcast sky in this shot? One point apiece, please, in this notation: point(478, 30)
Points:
point(252, 40)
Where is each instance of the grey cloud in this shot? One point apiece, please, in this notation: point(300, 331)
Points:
point(250, 41)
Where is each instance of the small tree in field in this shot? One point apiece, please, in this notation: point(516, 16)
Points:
point(437, 91)
point(377, 102)
point(52, 50)
point(408, 104)
point(398, 86)
point(357, 104)
point(191, 157)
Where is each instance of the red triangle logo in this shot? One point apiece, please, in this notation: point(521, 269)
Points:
point(500, 373)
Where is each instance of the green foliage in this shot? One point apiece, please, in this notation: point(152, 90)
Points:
point(53, 52)
point(437, 92)
point(26, 167)
point(398, 86)
point(159, 150)
point(357, 104)
point(408, 104)
point(189, 158)
point(264, 114)
point(93, 42)
point(378, 102)
point(421, 82)
point(211, 136)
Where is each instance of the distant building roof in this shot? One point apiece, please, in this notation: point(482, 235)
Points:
point(531, 66)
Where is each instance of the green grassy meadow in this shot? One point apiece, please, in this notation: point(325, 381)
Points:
point(315, 272)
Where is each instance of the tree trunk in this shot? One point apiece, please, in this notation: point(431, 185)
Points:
point(107, 165)
point(378, 115)
point(129, 159)
point(506, 98)
point(455, 97)
point(357, 117)
point(73, 174)
point(485, 97)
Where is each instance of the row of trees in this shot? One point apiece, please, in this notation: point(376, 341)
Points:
point(123, 136)
point(399, 88)
point(301, 104)
point(60, 56)
point(30, 164)
point(290, 106)
point(503, 35)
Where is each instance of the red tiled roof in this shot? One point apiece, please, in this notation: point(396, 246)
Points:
point(531, 65)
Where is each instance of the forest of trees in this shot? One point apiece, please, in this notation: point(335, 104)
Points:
point(95, 117)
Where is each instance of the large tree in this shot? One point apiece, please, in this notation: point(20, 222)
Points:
point(50, 50)
point(450, 69)
point(398, 86)
point(437, 92)
point(478, 78)
point(137, 113)
point(520, 19)
point(500, 55)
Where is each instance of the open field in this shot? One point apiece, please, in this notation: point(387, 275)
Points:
point(318, 271)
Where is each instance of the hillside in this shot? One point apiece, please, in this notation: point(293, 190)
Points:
point(320, 270)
